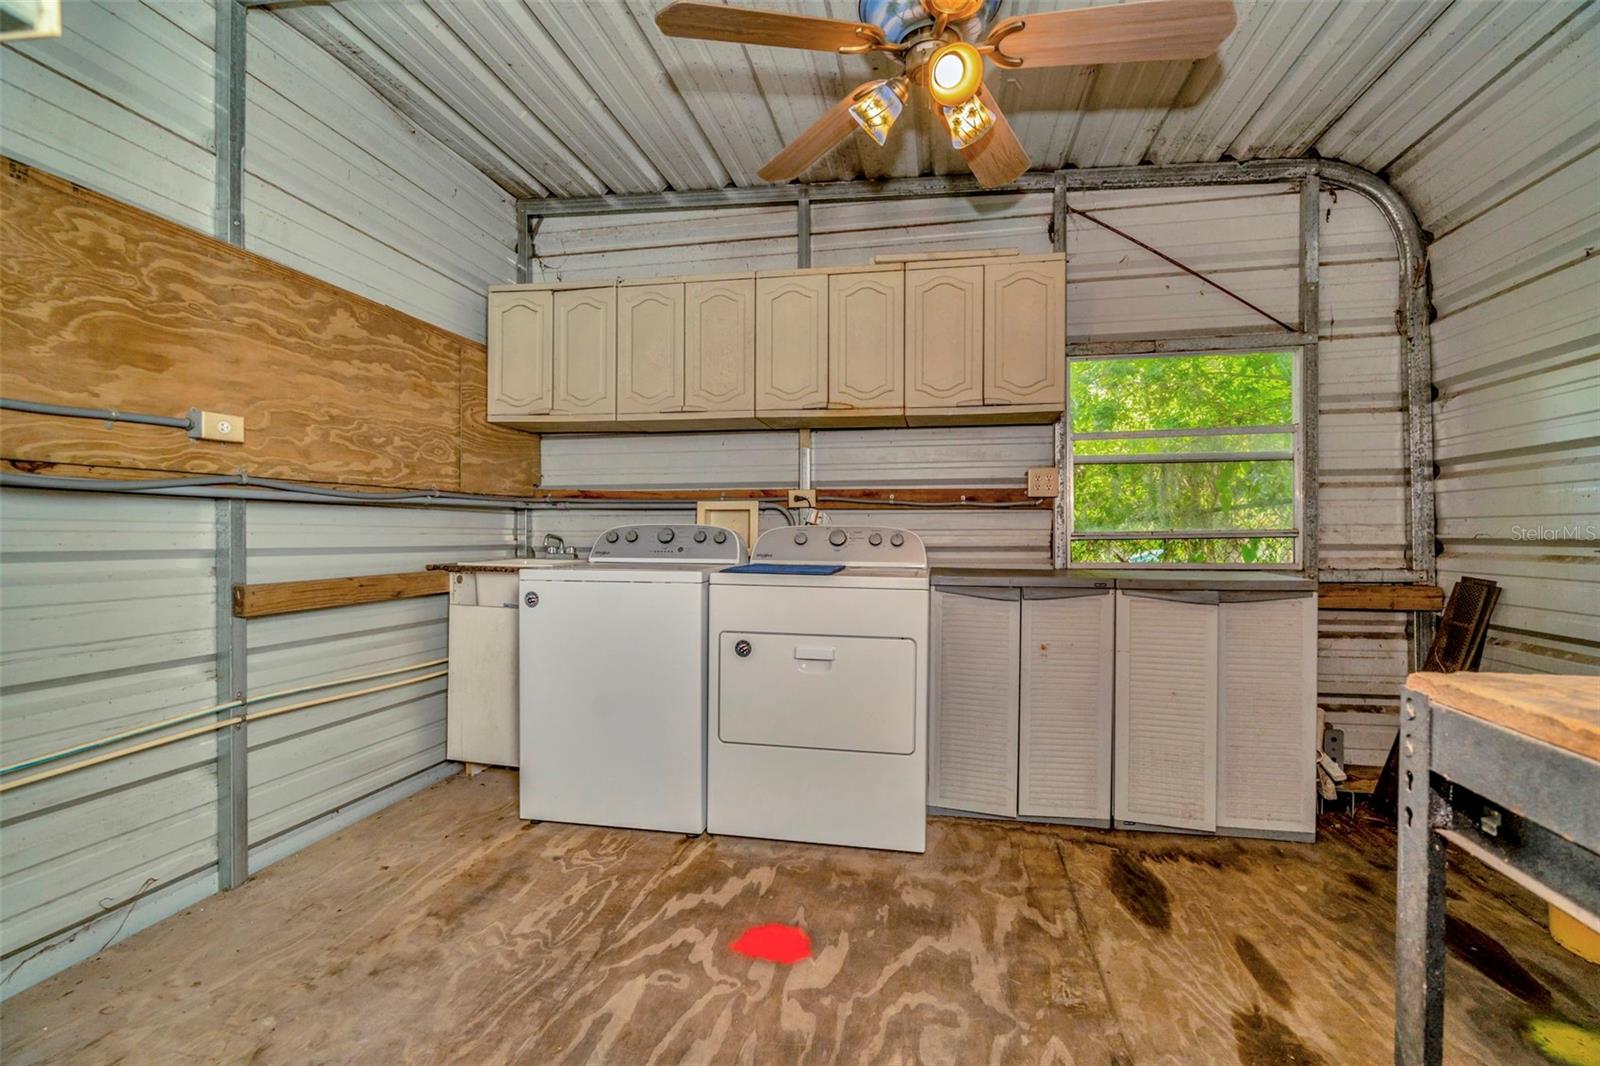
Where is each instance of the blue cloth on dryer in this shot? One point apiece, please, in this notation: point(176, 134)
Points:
point(784, 568)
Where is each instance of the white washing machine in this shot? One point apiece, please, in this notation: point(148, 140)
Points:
point(612, 657)
point(819, 695)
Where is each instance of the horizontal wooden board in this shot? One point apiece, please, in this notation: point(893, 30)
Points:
point(1353, 597)
point(104, 305)
point(288, 597)
point(827, 498)
point(1559, 710)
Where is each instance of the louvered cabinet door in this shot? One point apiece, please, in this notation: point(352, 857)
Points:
point(719, 372)
point(1166, 721)
point(649, 349)
point(1064, 758)
point(519, 352)
point(973, 716)
point(1267, 718)
point(585, 359)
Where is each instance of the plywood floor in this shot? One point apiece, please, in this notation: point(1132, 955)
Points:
point(445, 928)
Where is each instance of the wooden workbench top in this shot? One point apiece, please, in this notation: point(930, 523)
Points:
point(1563, 710)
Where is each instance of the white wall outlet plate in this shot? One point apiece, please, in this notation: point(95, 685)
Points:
point(211, 425)
point(1044, 481)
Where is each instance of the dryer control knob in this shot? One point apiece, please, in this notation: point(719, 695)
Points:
point(665, 536)
point(632, 535)
point(875, 540)
point(800, 538)
point(699, 536)
point(611, 537)
point(838, 537)
point(721, 538)
point(896, 539)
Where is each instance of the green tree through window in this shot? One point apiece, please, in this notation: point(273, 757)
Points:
point(1180, 458)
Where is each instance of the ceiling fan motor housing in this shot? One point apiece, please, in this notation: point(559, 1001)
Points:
point(902, 19)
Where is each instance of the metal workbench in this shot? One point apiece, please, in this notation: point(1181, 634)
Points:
point(1507, 768)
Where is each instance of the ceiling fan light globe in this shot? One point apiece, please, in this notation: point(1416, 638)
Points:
point(968, 123)
point(877, 108)
point(955, 71)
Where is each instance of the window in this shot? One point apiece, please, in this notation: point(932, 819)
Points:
point(1185, 460)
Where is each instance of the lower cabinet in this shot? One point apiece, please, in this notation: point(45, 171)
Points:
point(1172, 709)
point(1022, 702)
point(1216, 711)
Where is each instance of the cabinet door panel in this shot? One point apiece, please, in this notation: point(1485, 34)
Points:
point(1025, 344)
point(1065, 730)
point(519, 352)
point(1166, 730)
point(866, 340)
point(944, 337)
point(973, 721)
point(649, 348)
point(1267, 719)
point(792, 343)
point(719, 346)
point(585, 352)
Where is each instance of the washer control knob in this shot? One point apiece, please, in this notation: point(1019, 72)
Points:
point(838, 537)
point(896, 539)
point(611, 537)
point(699, 536)
point(631, 535)
point(665, 535)
point(721, 537)
point(875, 540)
point(801, 538)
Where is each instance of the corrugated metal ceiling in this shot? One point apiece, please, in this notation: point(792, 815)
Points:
point(577, 99)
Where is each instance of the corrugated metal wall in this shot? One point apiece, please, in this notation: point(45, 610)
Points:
point(1246, 237)
point(1508, 186)
point(107, 622)
point(337, 182)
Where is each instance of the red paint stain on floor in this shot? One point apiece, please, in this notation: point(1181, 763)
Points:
point(785, 944)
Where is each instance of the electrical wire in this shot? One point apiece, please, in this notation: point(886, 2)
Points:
point(99, 414)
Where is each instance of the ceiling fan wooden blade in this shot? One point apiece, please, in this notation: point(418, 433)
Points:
point(998, 157)
point(814, 142)
point(1119, 33)
point(743, 25)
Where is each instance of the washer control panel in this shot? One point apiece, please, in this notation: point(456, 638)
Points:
point(882, 546)
point(690, 544)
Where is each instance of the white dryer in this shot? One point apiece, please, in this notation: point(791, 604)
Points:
point(818, 703)
point(613, 695)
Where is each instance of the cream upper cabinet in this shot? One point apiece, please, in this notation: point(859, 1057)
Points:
point(792, 342)
point(584, 367)
point(719, 346)
point(1024, 330)
point(649, 348)
point(944, 336)
point(519, 352)
point(866, 340)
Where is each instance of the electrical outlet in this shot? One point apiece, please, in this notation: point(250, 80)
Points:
point(802, 498)
point(1044, 481)
point(210, 425)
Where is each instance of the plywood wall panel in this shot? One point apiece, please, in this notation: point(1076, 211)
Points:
point(105, 305)
point(495, 460)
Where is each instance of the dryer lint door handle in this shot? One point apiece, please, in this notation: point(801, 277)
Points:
point(813, 659)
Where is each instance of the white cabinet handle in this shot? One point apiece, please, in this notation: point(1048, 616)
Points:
point(819, 654)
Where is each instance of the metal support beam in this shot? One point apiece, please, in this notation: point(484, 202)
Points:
point(802, 228)
point(524, 244)
point(228, 106)
point(1310, 316)
point(233, 784)
point(1419, 895)
point(1060, 515)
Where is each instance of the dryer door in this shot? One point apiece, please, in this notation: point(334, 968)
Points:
point(807, 690)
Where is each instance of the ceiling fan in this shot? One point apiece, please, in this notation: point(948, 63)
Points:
point(941, 46)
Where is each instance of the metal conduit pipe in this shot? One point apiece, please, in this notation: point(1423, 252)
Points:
point(99, 414)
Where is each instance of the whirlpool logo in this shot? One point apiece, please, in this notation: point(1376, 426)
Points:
point(531, 599)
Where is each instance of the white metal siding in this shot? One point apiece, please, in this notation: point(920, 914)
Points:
point(106, 623)
point(305, 764)
point(337, 183)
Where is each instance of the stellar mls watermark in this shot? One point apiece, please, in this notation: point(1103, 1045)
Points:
point(1575, 531)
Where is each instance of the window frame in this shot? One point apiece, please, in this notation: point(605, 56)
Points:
point(1296, 535)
